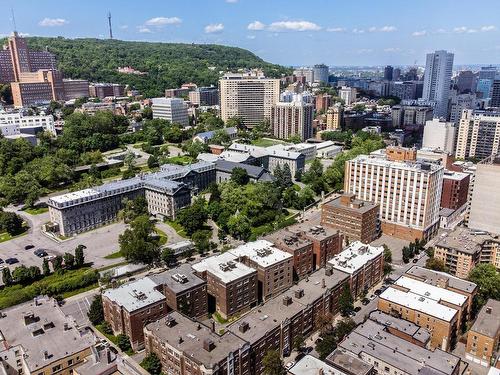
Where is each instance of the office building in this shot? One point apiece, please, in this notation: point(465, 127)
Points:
point(484, 87)
point(408, 191)
point(466, 82)
point(232, 285)
point(75, 88)
point(16, 123)
point(184, 291)
point(439, 135)
point(455, 192)
point(305, 75)
point(274, 267)
point(248, 97)
point(204, 96)
point(495, 93)
point(488, 72)
point(396, 74)
point(483, 337)
point(390, 354)
point(437, 80)
point(291, 119)
point(459, 102)
point(348, 94)
point(174, 110)
point(334, 116)
point(323, 101)
point(478, 134)
point(388, 70)
point(103, 90)
point(321, 73)
point(356, 219)
point(406, 90)
point(408, 115)
point(363, 263)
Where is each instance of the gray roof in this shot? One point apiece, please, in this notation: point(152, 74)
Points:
point(437, 278)
point(257, 173)
point(343, 360)
point(419, 334)
point(310, 365)
point(135, 295)
point(190, 281)
point(209, 134)
point(367, 205)
point(372, 339)
point(463, 240)
point(488, 319)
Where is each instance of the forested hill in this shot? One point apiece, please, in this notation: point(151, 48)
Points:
point(168, 64)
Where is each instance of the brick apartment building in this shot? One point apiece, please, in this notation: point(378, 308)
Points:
point(184, 291)
point(358, 220)
point(455, 190)
point(131, 306)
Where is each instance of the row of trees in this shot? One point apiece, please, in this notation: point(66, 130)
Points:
point(414, 248)
point(11, 223)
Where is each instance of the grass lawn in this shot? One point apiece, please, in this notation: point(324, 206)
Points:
point(178, 228)
point(4, 236)
point(115, 255)
point(163, 236)
point(266, 142)
point(112, 338)
point(36, 210)
point(180, 160)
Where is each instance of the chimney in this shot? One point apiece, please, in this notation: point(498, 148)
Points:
point(323, 284)
point(299, 293)
point(328, 271)
point(287, 300)
point(208, 345)
point(244, 326)
point(212, 323)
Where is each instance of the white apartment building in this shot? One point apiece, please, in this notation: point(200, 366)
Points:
point(478, 134)
point(16, 123)
point(408, 191)
point(248, 97)
point(348, 94)
point(437, 78)
point(292, 118)
point(307, 73)
point(439, 135)
point(174, 110)
point(459, 102)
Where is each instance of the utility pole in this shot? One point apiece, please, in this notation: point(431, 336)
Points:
point(109, 23)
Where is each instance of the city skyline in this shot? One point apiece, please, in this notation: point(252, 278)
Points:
point(342, 35)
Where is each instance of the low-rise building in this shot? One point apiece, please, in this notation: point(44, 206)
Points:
point(348, 363)
point(355, 218)
point(17, 122)
point(131, 306)
point(224, 170)
point(184, 291)
point(310, 365)
point(363, 263)
point(103, 90)
point(483, 337)
point(205, 137)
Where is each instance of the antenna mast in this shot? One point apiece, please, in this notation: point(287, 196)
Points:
point(13, 19)
point(109, 23)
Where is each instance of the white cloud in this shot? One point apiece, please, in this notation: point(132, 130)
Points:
point(231, 1)
point(294, 26)
point(488, 28)
point(419, 33)
point(364, 50)
point(250, 36)
point(51, 22)
point(214, 28)
point(358, 31)
point(256, 25)
point(336, 29)
point(392, 49)
point(124, 27)
point(440, 31)
point(383, 29)
point(162, 21)
point(144, 30)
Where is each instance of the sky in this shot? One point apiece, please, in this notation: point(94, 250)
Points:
point(287, 32)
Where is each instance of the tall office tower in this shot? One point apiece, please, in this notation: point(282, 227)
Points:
point(495, 93)
point(174, 110)
point(439, 135)
point(334, 117)
point(484, 211)
point(321, 73)
point(307, 74)
point(248, 97)
point(478, 134)
point(388, 70)
point(437, 80)
point(396, 74)
point(292, 118)
point(484, 87)
point(16, 58)
point(466, 82)
point(348, 94)
point(488, 72)
point(408, 191)
point(459, 102)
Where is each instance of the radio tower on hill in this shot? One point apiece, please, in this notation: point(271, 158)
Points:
point(109, 23)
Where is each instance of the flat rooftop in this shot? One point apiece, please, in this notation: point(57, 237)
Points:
point(356, 205)
point(372, 339)
point(379, 160)
point(224, 267)
point(261, 252)
point(135, 295)
point(457, 176)
point(310, 365)
point(419, 303)
point(341, 358)
point(189, 337)
point(420, 334)
point(178, 279)
point(68, 197)
point(488, 320)
point(39, 327)
point(288, 239)
point(316, 231)
point(355, 256)
point(437, 278)
point(463, 240)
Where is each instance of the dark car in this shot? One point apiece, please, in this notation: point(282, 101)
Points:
point(1, 260)
point(11, 260)
point(28, 247)
point(40, 253)
point(299, 356)
point(415, 260)
point(377, 292)
point(365, 301)
point(357, 308)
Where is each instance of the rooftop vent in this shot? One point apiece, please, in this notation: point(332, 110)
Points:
point(208, 345)
point(244, 326)
point(287, 300)
point(170, 321)
point(299, 293)
point(488, 310)
point(328, 271)
point(180, 278)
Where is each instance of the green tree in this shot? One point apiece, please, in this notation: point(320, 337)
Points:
point(273, 365)
point(487, 279)
point(327, 345)
point(387, 254)
point(194, 217)
point(22, 275)
point(69, 260)
point(139, 243)
point(6, 276)
point(239, 227)
point(344, 327)
point(11, 223)
point(57, 263)
point(79, 256)
point(346, 301)
point(123, 342)
point(167, 255)
point(240, 176)
point(294, 139)
point(436, 264)
point(132, 208)
point(152, 364)
point(201, 239)
point(153, 162)
point(287, 176)
point(45, 267)
point(298, 342)
point(96, 311)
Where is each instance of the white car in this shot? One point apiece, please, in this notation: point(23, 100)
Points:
point(289, 365)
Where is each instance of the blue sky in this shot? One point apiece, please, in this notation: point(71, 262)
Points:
point(289, 32)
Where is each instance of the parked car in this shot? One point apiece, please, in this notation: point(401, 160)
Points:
point(40, 253)
point(1, 260)
point(11, 261)
point(415, 260)
point(299, 356)
point(28, 247)
point(365, 301)
point(289, 365)
point(377, 292)
point(357, 308)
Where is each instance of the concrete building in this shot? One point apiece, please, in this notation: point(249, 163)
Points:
point(17, 122)
point(131, 306)
point(483, 337)
point(174, 110)
point(103, 90)
point(495, 93)
point(304, 74)
point(406, 90)
point(323, 102)
point(348, 94)
point(38, 338)
point(363, 263)
point(478, 134)
point(407, 115)
point(205, 137)
point(440, 135)
point(310, 365)
point(348, 364)
point(459, 102)
point(408, 191)
point(455, 191)
point(75, 88)
point(466, 81)
point(232, 286)
point(290, 119)
point(248, 97)
point(437, 80)
point(357, 220)
point(388, 73)
point(321, 73)
point(204, 96)
point(274, 267)
point(390, 354)
point(187, 347)
point(334, 116)
point(224, 170)
point(184, 291)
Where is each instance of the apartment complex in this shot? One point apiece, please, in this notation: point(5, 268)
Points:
point(437, 81)
point(348, 94)
point(103, 90)
point(38, 338)
point(184, 291)
point(17, 122)
point(478, 134)
point(439, 135)
point(355, 218)
point(290, 119)
point(131, 306)
point(204, 96)
point(232, 286)
point(363, 263)
point(248, 97)
point(455, 190)
point(334, 117)
point(408, 191)
point(483, 337)
point(174, 110)
point(404, 115)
